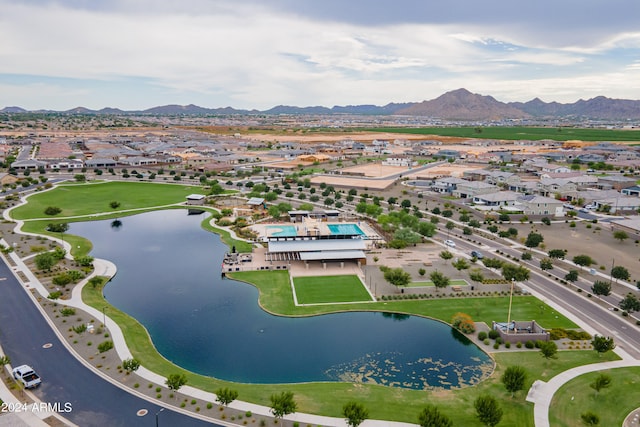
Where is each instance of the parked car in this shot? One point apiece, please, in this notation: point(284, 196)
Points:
point(27, 376)
point(477, 254)
point(450, 243)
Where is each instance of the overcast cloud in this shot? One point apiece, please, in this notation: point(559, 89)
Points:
point(135, 54)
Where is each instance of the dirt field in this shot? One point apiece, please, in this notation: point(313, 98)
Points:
point(598, 244)
point(375, 170)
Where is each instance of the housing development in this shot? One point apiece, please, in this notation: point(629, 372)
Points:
point(319, 269)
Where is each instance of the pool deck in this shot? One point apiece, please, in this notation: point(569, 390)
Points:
point(308, 228)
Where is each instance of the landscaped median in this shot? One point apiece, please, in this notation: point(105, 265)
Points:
point(384, 403)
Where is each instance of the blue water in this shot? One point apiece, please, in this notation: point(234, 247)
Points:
point(286, 230)
point(169, 279)
point(349, 229)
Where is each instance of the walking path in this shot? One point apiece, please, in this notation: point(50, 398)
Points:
point(540, 394)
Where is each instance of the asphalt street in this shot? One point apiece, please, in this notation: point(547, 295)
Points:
point(93, 400)
point(597, 317)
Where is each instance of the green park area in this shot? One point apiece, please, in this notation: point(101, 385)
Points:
point(384, 403)
point(107, 200)
point(88, 201)
point(522, 133)
point(611, 403)
point(330, 289)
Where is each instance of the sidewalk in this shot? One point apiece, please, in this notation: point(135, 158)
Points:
point(108, 269)
point(542, 393)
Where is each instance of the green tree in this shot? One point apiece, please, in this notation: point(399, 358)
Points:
point(45, 261)
point(602, 344)
point(557, 253)
point(431, 416)
point(355, 413)
point(583, 260)
point(590, 419)
point(533, 240)
point(130, 365)
point(601, 382)
point(630, 303)
point(601, 288)
point(274, 212)
point(60, 227)
point(620, 235)
point(450, 225)
point(546, 264)
point(439, 280)
point(548, 349)
point(446, 255)
point(514, 378)
point(571, 276)
point(52, 210)
point(114, 204)
point(225, 396)
point(397, 277)
point(175, 381)
point(515, 272)
point(620, 272)
point(460, 264)
point(283, 404)
point(488, 410)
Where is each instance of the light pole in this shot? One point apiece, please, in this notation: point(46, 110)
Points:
point(104, 317)
point(513, 279)
point(157, 413)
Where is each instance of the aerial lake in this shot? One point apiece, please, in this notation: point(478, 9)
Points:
point(169, 280)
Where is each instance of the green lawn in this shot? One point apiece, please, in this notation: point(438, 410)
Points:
point(517, 133)
point(612, 404)
point(382, 402)
point(89, 199)
point(276, 297)
point(327, 289)
point(457, 282)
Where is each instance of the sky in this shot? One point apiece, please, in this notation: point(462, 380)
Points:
point(256, 54)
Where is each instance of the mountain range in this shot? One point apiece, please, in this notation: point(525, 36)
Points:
point(459, 104)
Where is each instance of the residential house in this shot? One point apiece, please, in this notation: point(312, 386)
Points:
point(618, 204)
point(631, 191)
point(540, 205)
point(552, 186)
point(469, 189)
point(491, 201)
point(447, 185)
point(399, 160)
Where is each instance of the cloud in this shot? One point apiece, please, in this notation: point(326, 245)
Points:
point(251, 54)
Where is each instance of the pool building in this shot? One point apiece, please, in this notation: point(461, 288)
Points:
point(313, 239)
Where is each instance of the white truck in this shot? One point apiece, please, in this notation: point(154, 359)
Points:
point(27, 376)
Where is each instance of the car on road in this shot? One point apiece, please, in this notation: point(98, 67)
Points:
point(27, 376)
point(450, 243)
point(476, 255)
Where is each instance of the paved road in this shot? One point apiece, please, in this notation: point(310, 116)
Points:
point(588, 311)
point(94, 401)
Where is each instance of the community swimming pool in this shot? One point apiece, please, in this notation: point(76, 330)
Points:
point(281, 231)
point(169, 280)
point(348, 229)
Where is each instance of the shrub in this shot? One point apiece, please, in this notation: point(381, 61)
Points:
point(496, 345)
point(105, 346)
point(529, 344)
point(68, 311)
point(482, 335)
point(493, 334)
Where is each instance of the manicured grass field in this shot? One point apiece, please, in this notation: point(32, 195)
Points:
point(612, 404)
point(327, 289)
point(517, 133)
point(430, 283)
point(88, 199)
point(383, 403)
